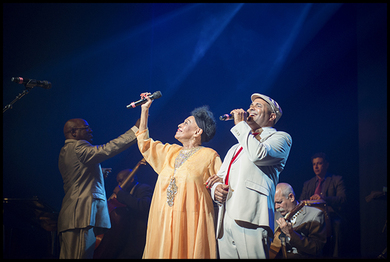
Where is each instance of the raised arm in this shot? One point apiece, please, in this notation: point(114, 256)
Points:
point(145, 112)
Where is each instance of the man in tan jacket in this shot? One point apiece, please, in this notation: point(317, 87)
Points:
point(84, 212)
point(305, 231)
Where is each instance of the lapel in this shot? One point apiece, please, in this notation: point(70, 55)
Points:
point(301, 214)
point(312, 185)
point(267, 132)
point(235, 152)
point(264, 135)
point(326, 184)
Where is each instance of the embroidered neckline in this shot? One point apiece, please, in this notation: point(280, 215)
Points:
point(184, 154)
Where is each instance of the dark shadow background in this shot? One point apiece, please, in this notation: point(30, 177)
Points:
point(325, 64)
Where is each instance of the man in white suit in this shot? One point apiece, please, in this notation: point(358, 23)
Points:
point(84, 212)
point(250, 172)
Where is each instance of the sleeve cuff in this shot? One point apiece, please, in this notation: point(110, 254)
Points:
point(134, 129)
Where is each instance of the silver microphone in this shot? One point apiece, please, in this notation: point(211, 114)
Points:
point(226, 117)
point(153, 96)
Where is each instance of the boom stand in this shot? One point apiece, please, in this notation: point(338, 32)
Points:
point(28, 88)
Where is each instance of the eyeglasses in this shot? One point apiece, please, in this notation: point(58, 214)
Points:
point(88, 128)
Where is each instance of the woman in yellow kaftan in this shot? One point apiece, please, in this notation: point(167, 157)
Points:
point(181, 216)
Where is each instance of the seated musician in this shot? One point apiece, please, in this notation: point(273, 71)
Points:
point(331, 189)
point(302, 226)
point(127, 236)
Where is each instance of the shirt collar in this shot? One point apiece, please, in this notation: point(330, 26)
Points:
point(326, 176)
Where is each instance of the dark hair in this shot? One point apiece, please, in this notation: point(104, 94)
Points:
point(321, 155)
point(205, 120)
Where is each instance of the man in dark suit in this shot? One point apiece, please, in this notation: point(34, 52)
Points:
point(329, 188)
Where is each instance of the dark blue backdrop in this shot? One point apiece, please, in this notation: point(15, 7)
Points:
point(100, 57)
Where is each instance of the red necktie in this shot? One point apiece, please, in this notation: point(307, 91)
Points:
point(234, 158)
point(319, 187)
point(231, 162)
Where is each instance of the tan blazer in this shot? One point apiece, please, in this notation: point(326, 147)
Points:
point(253, 177)
point(85, 201)
point(311, 236)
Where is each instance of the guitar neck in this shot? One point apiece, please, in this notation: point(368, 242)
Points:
point(292, 213)
point(126, 183)
point(294, 210)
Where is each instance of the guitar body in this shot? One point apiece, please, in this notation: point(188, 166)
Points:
point(115, 217)
point(114, 203)
point(109, 244)
point(275, 245)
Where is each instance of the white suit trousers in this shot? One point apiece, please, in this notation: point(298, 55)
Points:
point(240, 242)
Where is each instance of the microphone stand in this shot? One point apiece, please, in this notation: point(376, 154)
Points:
point(28, 88)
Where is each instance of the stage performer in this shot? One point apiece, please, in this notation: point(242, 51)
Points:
point(250, 172)
point(181, 216)
point(84, 212)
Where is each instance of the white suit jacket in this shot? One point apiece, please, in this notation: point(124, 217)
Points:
point(85, 201)
point(253, 176)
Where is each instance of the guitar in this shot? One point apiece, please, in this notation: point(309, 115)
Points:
point(113, 203)
point(276, 243)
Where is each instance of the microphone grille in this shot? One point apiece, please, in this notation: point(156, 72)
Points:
point(46, 84)
point(157, 94)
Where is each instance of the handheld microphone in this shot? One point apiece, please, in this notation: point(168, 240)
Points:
point(153, 96)
point(31, 82)
point(226, 117)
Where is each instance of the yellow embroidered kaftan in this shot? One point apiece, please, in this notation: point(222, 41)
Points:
point(186, 229)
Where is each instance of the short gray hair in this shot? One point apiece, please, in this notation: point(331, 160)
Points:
point(286, 189)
